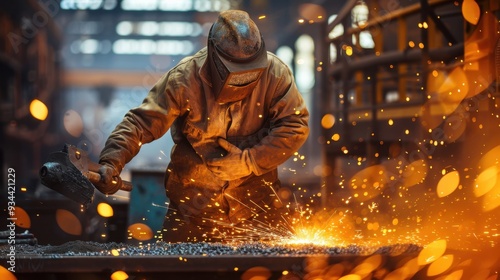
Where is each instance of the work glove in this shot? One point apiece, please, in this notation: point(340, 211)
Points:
point(234, 165)
point(110, 181)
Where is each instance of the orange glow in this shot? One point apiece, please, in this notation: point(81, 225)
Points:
point(406, 271)
point(140, 231)
point(471, 11)
point(73, 123)
point(256, 273)
point(448, 184)
point(312, 12)
point(415, 173)
point(350, 277)
point(321, 228)
point(327, 121)
point(348, 51)
point(119, 275)
point(336, 137)
point(22, 218)
point(455, 275)
point(448, 91)
point(479, 51)
point(5, 274)
point(38, 110)
point(491, 158)
point(368, 265)
point(440, 266)
point(485, 181)
point(431, 115)
point(369, 182)
point(285, 193)
point(432, 252)
point(68, 222)
point(490, 199)
point(455, 87)
point(454, 127)
point(105, 210)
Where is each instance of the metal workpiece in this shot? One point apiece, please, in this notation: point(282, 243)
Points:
point(191, 258)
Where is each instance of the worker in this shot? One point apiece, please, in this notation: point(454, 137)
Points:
point(235, 114)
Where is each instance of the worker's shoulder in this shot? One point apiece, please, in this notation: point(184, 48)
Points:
point(190, 63)
point(277, 66)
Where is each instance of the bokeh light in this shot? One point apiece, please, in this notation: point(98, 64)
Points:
point(454, 127)
point(39, 110)
point(22, 218)
point(5, 274)
point(327, 121)
point(471, 11)
point(432, 252)
point(490, 158)
point(350, 277)
point(312, 12)
point(448, 183)
point(369, 265)
point(486, 181)
point(440, 266)
point(415, 173)
point(140, 231)
point(105, 210)
point(73, 123)
point(369, 182)
point(68, 222)
point(119, 275)
point(491, 199)
point(256, 273)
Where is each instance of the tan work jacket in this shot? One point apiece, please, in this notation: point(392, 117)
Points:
point(272, 123)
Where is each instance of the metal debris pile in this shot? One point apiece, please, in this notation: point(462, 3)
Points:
point(87, 248)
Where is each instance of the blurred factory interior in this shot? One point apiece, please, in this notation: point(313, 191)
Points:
point(402, 94)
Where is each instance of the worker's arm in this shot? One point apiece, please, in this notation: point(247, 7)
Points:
point(288, 128)
point(141, 125)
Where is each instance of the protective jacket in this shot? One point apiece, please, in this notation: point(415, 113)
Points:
point(272, 123)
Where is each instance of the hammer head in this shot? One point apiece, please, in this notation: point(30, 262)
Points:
point(61, 175)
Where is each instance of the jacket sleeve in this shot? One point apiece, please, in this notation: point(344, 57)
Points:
point(143, 124)
point(288, 121)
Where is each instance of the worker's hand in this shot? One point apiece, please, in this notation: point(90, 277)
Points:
point(110, 180)
point(234, 165)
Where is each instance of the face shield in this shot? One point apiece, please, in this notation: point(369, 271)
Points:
point(234, 78)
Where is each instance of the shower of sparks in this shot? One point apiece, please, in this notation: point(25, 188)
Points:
point(288, 224)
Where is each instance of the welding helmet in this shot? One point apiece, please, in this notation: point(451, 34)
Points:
point(236, 56)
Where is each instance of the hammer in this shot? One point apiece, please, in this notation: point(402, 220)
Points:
point(71, 173)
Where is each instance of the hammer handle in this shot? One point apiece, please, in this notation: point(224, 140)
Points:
point(95, 177)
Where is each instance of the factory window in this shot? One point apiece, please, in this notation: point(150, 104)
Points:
point(285, 53)
point(164, 28)
point(359, 15)
point(304, 63)
point(337, 31)
point(176, 5)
